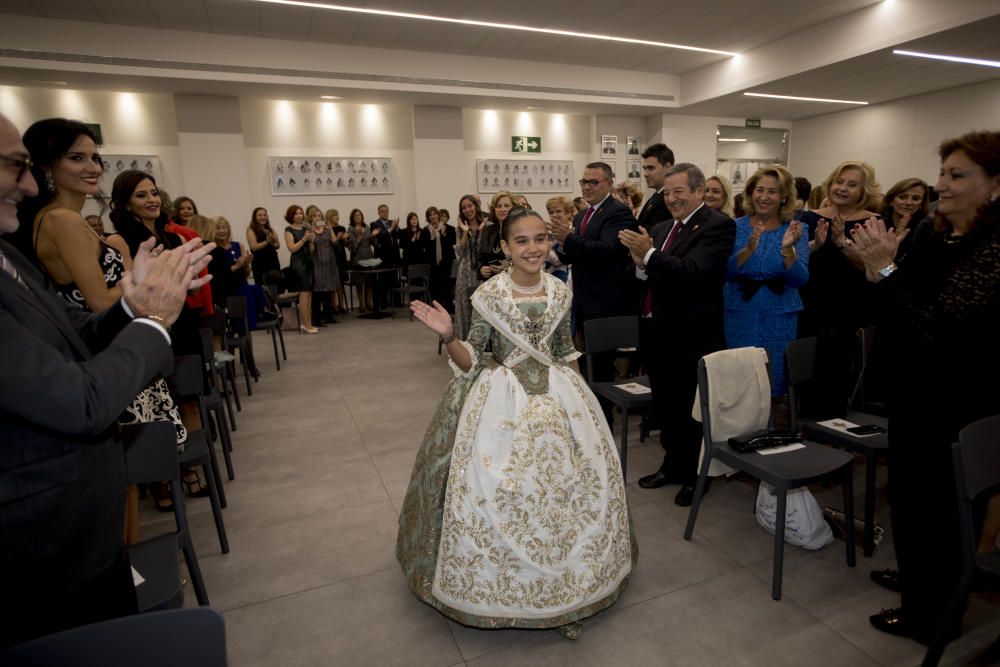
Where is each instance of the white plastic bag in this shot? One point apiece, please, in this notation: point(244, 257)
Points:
point(804, 524)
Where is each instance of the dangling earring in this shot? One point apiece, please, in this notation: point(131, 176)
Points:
point(50, 184)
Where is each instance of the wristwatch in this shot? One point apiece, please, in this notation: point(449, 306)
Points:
point(887, 271)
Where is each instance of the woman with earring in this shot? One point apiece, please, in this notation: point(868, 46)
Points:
point(85, 269)
point(905, 205)
point(939, 311)
point(299, 239)
point(516, 515)
point(770, 262)
point(491, 260)
point(719, 194)
point(470, 224)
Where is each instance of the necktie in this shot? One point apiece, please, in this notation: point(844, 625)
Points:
point(647, 304)
point(586, 218)
point(8, 268)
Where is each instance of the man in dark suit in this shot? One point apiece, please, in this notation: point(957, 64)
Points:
point(683, 267)
point(603, 279)
point(656, 160)
point(66, 376)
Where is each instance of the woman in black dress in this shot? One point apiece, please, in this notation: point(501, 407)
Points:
point(442, 256)
point(299, 239)
point(940, 316)
point(263, 243)
point(339, 235)
point(414, 241)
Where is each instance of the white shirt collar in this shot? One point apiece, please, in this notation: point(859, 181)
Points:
point(684, 221)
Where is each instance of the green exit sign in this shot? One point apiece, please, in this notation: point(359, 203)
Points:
point(526, 144)
point(753, 122)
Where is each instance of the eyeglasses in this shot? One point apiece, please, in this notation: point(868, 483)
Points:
point(592, 182)
point(21, 164)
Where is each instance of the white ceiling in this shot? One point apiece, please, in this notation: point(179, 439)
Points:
point(734, 25)
point(729, 25)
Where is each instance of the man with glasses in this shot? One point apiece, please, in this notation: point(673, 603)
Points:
point(65, 376)
point(603, 278)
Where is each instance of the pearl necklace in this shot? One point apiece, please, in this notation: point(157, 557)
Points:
point(534, 289)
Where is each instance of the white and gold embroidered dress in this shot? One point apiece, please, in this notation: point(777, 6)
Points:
point(516, 514)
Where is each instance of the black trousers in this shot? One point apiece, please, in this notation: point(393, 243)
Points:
point(43, 611)
point(673, 377)
point(925, 529)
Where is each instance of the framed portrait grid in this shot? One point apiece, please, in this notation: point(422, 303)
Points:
point(523, 176)
point(290, 175)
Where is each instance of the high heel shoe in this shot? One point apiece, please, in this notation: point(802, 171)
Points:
point(308, 330)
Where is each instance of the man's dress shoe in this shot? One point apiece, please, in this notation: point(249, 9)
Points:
point(685, 496)
point(658, 479)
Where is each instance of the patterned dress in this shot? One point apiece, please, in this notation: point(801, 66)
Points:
point(153, 403)
point(516, 514)
point(466, 277)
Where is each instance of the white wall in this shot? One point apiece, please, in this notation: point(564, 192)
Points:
point(899, 138)
point(693, 138)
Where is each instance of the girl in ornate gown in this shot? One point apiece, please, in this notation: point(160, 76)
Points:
point(516, 514)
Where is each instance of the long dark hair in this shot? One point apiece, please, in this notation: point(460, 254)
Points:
point(475, 202)
point(259, 230)
point(47, 142)
point(127, 223)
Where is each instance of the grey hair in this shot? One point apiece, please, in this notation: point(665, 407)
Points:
point(696, 177)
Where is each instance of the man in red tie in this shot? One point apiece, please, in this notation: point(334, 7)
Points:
point(682, 266)
point(603, 279)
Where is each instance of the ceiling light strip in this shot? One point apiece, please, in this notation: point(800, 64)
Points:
point(493, 24)
point(805, 99)
point(951, 59)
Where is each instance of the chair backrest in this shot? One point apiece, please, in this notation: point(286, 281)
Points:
point(800, 366)
point(188, 380)
point(704, 394)
point(977, 472)
point(151, 452)
point(191, 637)
point(236, 307)
point(418, 272)
point(608, 333)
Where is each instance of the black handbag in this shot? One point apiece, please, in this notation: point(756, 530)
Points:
point(765, 439)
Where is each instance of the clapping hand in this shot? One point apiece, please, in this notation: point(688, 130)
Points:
point(560, 230)
point(395, 224)
point(463, 225)
point(792, 235)
point(638, 243)
point(876, 245)
point(165, 279)
point(435, 317)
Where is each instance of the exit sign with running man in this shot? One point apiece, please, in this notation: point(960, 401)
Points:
point(526, 144)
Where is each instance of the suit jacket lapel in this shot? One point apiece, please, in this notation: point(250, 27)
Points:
point(689, 232)
point(39, 298)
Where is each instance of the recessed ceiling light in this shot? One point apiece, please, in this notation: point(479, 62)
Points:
point(953, 59)
point(531, 108)
point(805, 99)
point(329, 97)
point(50, 83)
point(726, 139)
point(493, 24)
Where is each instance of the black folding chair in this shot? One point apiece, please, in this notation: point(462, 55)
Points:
point(189, 637)
point(212, 406)
point(418, 284)
point(976, 467)
point(272, 323)
point(187, 384)
point(608, 334)
point(784, 471)
point(151, 457)
point(800, 367)
point(237, 337)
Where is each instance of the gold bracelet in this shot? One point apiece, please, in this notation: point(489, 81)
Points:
point(158, 319)
point(791, 255)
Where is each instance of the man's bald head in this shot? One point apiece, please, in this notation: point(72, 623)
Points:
point(16, 181)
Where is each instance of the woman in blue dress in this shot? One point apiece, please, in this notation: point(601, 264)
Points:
point(770, 261)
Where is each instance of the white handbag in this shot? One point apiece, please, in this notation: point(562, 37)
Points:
point(804, 523)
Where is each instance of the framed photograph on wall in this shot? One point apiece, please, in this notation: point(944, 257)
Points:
point(116, 164)
point(330, 175)
point(634, 171)
point(609, 145)
point(524, 176)
point(634, 149)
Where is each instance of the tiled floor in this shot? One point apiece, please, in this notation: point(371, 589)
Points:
point(323, 454)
